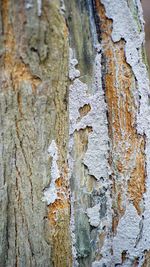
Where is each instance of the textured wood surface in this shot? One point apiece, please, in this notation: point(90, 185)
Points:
point(74, 134)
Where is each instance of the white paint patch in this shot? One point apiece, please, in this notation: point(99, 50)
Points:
point(50, 193)
point(28, 4)
point(127, 232)
point(125, 27)
point(96, 156)
point(102, 263)
point(73, 236)
point(97, 153)
point(94, 215)
point(126, 240)
point(39, 7)
point(73, 72)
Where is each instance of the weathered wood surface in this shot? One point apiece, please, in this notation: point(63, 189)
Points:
point(74, 134)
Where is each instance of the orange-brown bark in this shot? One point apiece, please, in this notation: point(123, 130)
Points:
point(127, 158)
point(15, 69)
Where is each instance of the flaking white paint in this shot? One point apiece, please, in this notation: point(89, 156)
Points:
point(50, 193)
point(73, 236)
point(125, 27)
point(28, 4)
point(97, 153)
point(127, 233)
point(39, 7)
point(96, 156)
point(94, 215)
point(73, 72)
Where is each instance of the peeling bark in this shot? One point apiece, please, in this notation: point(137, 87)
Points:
point(74, 135)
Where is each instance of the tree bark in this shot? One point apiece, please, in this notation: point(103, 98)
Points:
point(74, 135)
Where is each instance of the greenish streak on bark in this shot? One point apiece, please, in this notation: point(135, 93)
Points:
point(134, 11)
point(81, 39)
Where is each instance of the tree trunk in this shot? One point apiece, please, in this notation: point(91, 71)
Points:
point(74, 135)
